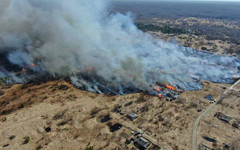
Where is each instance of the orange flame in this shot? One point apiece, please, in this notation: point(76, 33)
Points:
point(24, 70)
point(160, 95)
point(157, 88)
point(170, 87)
point(235, 77)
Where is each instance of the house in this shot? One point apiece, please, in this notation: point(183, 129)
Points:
point(226, 146)
point(132, 116)
point(204, 147)
point(114, 126)
point(209, 139)
point(223, 117)
point(235, 125)
point(142, 143)
point(138, 133)
point(209, 97)
point(106, 118)
point(155, 147)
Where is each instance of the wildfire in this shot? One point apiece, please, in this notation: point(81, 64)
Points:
point(24, 70)
point(235, 77)
point(160, 95)
point(160, 90)
point(157, 88)
point(171, 87)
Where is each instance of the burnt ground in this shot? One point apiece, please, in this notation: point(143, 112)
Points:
point(55, 115)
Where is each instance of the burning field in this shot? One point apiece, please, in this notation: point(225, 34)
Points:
point(50, 49)
point(99, 51)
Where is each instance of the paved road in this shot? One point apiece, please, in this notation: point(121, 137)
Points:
point(209, 108)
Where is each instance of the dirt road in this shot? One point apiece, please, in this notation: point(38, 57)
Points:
point(209, 108)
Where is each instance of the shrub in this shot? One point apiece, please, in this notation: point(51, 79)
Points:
point(163, 29)
point(145, 108)
point(12, 137)
point(1, 93)
point(89, 147)
point(26, 140)
point(95, 111)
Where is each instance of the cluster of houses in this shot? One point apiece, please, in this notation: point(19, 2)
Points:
point(227, 119)
point(205, 147)
point(136, 139)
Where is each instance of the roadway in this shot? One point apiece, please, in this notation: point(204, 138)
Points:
point(209, 108)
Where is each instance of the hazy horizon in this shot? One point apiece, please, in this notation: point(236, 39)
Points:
point(182, 0)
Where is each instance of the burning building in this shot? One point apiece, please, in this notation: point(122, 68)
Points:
point(99, 51)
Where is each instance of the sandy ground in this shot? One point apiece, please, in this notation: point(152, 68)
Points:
point(55, 115)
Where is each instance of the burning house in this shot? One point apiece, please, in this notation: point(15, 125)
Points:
point(48, 38)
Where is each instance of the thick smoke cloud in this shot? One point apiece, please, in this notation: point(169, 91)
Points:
point(66, 37)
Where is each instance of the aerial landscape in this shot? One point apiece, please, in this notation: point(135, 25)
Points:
point(119, 75)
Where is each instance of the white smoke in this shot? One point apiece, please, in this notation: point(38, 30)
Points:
point(62, 37)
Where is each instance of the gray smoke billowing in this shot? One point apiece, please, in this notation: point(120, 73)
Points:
point(81, 39)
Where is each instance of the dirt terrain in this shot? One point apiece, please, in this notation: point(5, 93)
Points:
point(55, 115)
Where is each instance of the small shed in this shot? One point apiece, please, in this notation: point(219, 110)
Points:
point(132, 116)
point(142, 143)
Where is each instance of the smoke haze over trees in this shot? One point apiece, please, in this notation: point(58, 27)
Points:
point(68, 38)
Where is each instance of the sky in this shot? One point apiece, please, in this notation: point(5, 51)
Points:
point(181, 0)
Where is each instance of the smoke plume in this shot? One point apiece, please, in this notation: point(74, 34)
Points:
point(97, 49)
